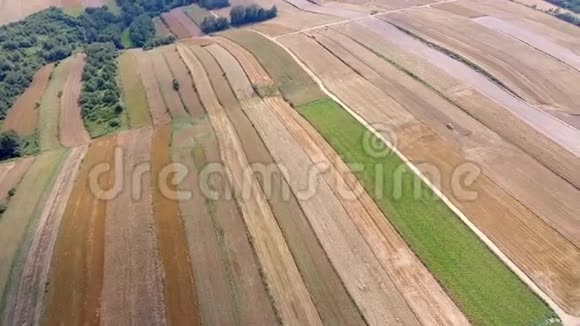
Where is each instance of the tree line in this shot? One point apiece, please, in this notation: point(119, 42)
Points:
point(239, 15)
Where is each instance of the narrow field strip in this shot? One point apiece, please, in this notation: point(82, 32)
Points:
point(186, 87)
point(285, 284)
point(165, 81)
point(23, 116)
point(157, 107)
point(329, 295)
point(27, 301)
point(18, 223)
point(334, 229)
point(134, 95)
point(295, 84)
point(175, 25)
point(49, 110)
point(74, 288)
point(71, 128)
point(219, 248)
point(13, 175)
point(181, 304)
point(191, 27)
point(216, 304)
point(132, 273)
point(161, 30)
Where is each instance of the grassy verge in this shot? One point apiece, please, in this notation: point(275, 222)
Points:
point(133, 92)
point(114, 7)
point(481, 285)
point(49, 109)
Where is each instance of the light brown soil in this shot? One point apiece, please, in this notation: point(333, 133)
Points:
point(27, 304)
point(161, 30)
point(549, 196)
point(423, 294)
point(189, 25)
point(13, 175)
point(458, 9)
point(71, 127)
point(177, 28)
point(157, 106)
point(371, 272)
point(535, 40)
point(133, 277)
point(181, 304)
point(533, 75)
point(76, 273)
point(23, 116)
point(165, 81)
point(230, 287)
point(433, 68)
point(329, 295)
point(545, 256)
point(186, 87)
point(5, 168)
point(285, 284)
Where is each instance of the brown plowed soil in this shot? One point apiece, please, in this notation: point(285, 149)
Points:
point(28, 302)
point(13, 175)
point(71, 127)
point(329, 295)
point(285, 284)
point(542, 253)
point(186, 87)
point(371, 272)
point(161, 30)
point(175, 25)
point(458, 9)
point(76, 272)
point(181, 304)
point(190, 26)
point(165, 81)
point(23, 116)
point(133, 277)
point(157, 106)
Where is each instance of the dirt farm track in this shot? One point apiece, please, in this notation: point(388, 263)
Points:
point(347, 162)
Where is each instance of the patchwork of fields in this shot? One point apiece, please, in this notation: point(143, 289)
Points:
point(346, 163)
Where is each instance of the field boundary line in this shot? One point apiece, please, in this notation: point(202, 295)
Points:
point(567, 319)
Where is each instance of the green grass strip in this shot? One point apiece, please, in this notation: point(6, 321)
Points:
point(479, 283)
point(49, 109)
point(133, 92)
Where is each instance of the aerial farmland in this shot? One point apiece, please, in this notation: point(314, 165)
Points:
point(290, 162)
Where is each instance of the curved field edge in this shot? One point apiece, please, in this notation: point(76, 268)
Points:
point(17, 225)
point(480, 284)
point(485, 289)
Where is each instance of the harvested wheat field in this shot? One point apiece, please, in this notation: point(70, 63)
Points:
point(549, 196)
point(23, 116)
point(132, 274)
point(229, 285)
point(165, 80)
point(331, 299)
point(134, 95)
point(529, 73)
point(186, 91)
point(181, 304)
point(157, 107)
point(20, 219)
point(491, 198)
point(371, 271)
point(71, 128)
point(552, 135)
point(28, 298)
point(285, 284)
point(74, 290)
